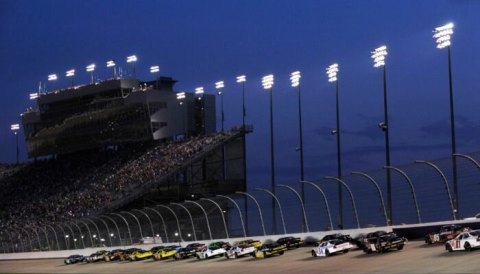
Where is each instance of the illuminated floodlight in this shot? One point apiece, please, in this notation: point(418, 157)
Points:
point(34, 96)
point(52, 77)
point(199, 91)
point(15, 127)
point(111, 63)
point(378, 56)
point(241, 79)
point(332, 73)
point(70, 73)
point(90, 68)
point(131, 58)
point(181, 95)
point(442, 35)
point(154, 69)
point(295, 78)
point(219, 85)
point(267, 81)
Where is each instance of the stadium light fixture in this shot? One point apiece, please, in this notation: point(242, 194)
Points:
point(180, 95)
point(267, 81)
point(199, 91)
point(52, 77)
point(112, 64)
point(219, 86)
point(90, 68)
point(442, 36)
point(242, 79)
point(132, 59)
point(34, 95)
point(332, 71)
point(378, 56)
point(70, 73)
point(295, 78)
point(154, 69)
point(15, 128)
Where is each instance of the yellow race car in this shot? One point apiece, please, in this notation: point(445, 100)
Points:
point(267, 250)
point(167, 252)
point(251, 242)
point(140, 255)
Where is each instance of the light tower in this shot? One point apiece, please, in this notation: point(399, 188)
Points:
point(378, 56)
point(442, 36)
point(332, 71)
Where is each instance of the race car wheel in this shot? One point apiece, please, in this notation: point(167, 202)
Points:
point(327, 253)
point(449, 248)
point(314, 254)
point(235, 255)
point(467, 246)
point(346, 250)
point(400, 247)
point(281, 252)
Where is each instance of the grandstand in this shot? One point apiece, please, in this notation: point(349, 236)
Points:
point(116, 145)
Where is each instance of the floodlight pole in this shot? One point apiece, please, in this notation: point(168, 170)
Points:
point(339, 159)
point(452, 130)
point(387, 145)
point(16, 141)
point(272, 160)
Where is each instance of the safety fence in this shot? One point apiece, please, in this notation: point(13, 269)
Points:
point(421, 192)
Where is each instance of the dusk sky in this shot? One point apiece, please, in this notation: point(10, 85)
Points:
point(201, 42)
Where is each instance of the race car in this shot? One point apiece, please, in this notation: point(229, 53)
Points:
point(464, 241)
point(125, 255)
point(167, 252)
point(113, 255)
point(268, 250)
point(327, 248)
point(290, 242)
point(196, 246)
point(240, 250)
point(141, 254)
point(340, 236)
point(213, 249)
point(446, 232)
point(254, 243)
point(185, 252)
point(97, 256)
point(382, 241)
point(73, 259)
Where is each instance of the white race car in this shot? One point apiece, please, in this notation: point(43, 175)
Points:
point(464, 241)
point(240, 250)
point(330, 247)
point(208, 253)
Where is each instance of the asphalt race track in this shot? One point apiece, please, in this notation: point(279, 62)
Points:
point(416, 257)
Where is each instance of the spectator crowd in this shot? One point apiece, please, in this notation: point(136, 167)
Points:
point(49, 192)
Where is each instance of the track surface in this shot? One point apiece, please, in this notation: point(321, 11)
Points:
point(415, 258)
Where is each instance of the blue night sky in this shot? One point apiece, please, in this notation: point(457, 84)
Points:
point(201, 42)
